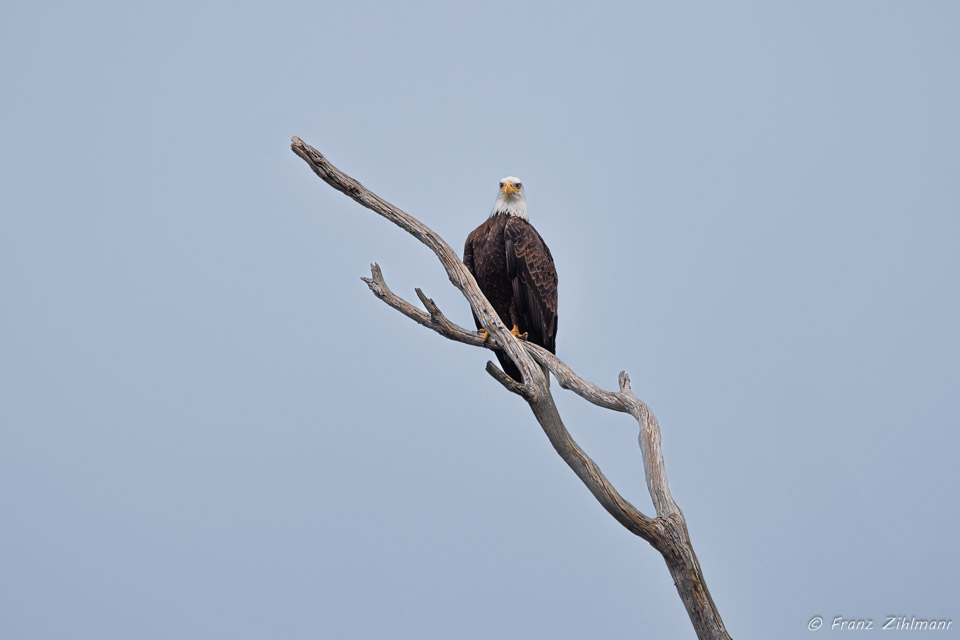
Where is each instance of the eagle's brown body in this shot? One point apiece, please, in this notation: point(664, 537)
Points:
point(515, 271)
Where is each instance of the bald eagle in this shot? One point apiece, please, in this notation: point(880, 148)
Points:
point(515, 271)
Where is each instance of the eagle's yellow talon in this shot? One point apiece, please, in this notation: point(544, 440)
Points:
point(485, 335)
point(516, 333)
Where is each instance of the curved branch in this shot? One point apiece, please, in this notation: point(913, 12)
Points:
point(586, 468)
point(511, 385)
point(668, 531)
point(624, 400)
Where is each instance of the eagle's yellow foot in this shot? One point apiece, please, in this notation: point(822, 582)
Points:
point(485, 335)
point(516, 333)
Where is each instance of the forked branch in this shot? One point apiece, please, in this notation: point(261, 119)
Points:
point(667, 532)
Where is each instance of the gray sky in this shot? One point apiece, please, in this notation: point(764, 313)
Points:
point(209, 428)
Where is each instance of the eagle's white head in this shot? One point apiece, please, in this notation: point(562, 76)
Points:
point(512, 199)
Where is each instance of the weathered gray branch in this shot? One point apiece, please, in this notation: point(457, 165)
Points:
point(668, 531)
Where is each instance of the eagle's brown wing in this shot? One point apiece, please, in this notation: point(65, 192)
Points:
point(534, 278)
point(468, 253)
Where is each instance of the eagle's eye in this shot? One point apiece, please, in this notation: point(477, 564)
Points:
point(519, 185)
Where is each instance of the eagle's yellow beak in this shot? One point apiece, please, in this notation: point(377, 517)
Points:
point(508, 188)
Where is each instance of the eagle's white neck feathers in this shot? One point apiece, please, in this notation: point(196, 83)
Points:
point(512, 199)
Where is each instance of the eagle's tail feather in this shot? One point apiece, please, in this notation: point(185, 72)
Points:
point(508, 367)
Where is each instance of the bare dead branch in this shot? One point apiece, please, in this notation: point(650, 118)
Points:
point(508, 382)
point(668, 531)
point(642, 525)
point(434, 320)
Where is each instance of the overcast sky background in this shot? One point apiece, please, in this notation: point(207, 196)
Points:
point(209, 428)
